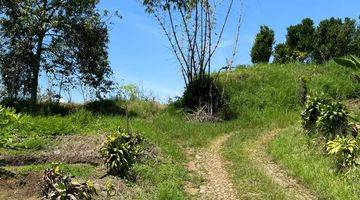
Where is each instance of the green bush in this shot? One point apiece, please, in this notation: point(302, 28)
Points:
point(326, 116)
point(8, 122)
point(312, 111)
point(333, 120)
point(204, 92)
point(346, 150)
point(120, 151)
point(59, 185)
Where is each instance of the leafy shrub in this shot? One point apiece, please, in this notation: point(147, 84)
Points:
point(8, 121)
point(144, 109)
point(203, 92)
point(120, 151)
point(58, 185)
point(312, 111)
point(333, 119)
point(346, 151)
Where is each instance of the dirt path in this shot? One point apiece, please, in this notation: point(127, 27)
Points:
point(258, 154)
point(211, 166)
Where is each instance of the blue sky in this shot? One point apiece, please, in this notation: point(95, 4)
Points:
point(139, 52)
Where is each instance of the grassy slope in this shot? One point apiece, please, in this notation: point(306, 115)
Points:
point(264, 97)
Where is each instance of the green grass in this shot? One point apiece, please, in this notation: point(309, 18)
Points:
point(264, 98)
point(303, 158)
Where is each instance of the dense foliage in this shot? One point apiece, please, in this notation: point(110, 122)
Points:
point(306, 42)
point(262, 48)
point(204, 93)
point(326, 116)
point(66, 40)
point(120, 151)
point(346, 151)
point(312, 111)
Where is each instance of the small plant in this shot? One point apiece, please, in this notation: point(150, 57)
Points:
point(60, 186)
point(120, 151)
point(333, 120)
point(312, 111)
point(8, 118)
point(345, 149)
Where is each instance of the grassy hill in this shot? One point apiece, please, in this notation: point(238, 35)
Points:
point(264, 98)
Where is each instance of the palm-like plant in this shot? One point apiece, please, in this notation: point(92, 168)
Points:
point(350, 62)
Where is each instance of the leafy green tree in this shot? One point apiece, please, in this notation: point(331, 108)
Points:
point(262, 49)
point(281, 53)
point(66, 39)
point(334, 38)
point(300, 40)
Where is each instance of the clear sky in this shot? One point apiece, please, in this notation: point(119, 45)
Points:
point(139, 52)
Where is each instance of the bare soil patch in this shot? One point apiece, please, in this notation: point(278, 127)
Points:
point(71, 149)
point(22, 186)
point(211, 166)
point(259, 156)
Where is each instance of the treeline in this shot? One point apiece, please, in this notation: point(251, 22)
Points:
point(307, 42)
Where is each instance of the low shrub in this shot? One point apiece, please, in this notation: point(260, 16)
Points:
point(333, 120)
point(326, 116)
point(8, 124)
point(313, 110)
point(204, 93)
point(120, 151)
point(346, 151)
point(59, 185)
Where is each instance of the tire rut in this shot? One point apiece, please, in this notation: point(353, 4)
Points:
point(259, 156)
point(211, 166)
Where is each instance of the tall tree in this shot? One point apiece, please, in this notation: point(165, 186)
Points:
point(66, 39)
point(262, 49)
point(300, 40)
point(193, 30)
point(334, 38)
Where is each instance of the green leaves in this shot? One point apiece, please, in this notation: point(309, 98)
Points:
point(262, 49)
point(346, 151)
point(350, 62)
point(120, 151)
point(325, 116)
point(58, 185)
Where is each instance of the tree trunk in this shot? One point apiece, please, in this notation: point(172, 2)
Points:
point(35, 71)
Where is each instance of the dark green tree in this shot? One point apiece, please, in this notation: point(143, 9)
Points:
point(300, 40)
point(334, 38)
point(262, 48)
point(281, 53)
point(65, 39)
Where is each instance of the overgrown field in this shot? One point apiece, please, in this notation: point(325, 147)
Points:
point(263, 98)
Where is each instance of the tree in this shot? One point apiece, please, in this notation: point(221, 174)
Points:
point(334, 38)
point(64, 39)
point(262, 48)
point(300, 39)
point(191, 29)
point(281, 53)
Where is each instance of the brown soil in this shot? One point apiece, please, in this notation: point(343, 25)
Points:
point(21, 187)
point(259, 156)
point(353, 104)
point(70, 149)
point(211, 166)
